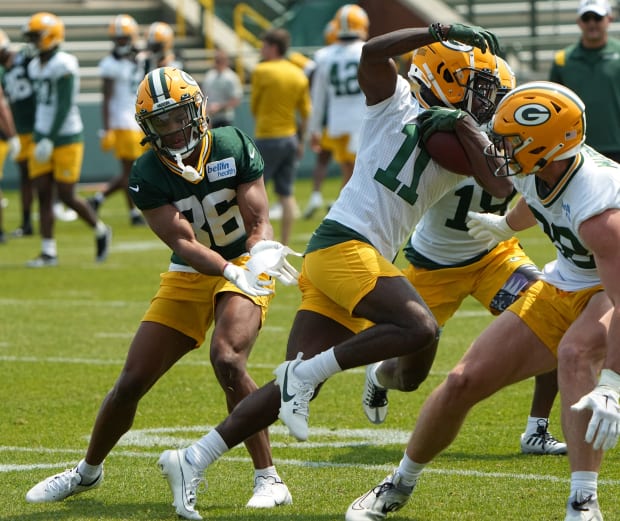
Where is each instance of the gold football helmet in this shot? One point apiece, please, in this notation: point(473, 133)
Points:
point(536, 123)
point(330, 33)
point(507, 79)
point(160, 38)
point(456, 75)
point(352, 22)
point(123, 31)
point(45, 31)
point(171, 110)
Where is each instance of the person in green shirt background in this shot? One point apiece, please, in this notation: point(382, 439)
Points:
point(591, 67)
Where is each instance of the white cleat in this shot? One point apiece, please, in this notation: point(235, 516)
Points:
point(374, 399)
point(583, 507)
point(388, 496)
point(542, 442)
point(183, 480)
point(60, 486)
point(295, 397)
point(269, 492)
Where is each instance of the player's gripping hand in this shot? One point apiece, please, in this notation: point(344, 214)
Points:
point(246, 281)
point(604, 427)
point(43, 150)
point(438, 119)
point(270, 257)
point(469, 34)
point(489, 227)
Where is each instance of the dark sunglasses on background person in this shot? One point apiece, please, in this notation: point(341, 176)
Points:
point(586, 17)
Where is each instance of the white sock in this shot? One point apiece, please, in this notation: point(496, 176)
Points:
point(48, 246)
point(409, 471)
point(373, 375)
point(318, 368)
point(88, 472)
point(532, 424)
point(585, 481)
point(267, 472)
point(100, 228)
point(206, 450)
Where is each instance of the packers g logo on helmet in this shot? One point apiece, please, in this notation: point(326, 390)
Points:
point(45, 31)
point(163, 91)
point(536, 123)
point(457, 76)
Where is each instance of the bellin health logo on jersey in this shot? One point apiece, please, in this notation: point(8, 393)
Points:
point(221, 169)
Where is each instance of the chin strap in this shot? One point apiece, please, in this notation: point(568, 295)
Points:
point(189, 173)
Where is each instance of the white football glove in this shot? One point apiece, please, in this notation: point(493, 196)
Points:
point(270, 257)
point(43, 150)
point(15, 147)
point(246, 281)
point(604, 427)
point(489, 227)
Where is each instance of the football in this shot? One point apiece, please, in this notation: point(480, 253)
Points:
point(446, 149)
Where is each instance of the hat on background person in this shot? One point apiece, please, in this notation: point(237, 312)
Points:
point(600, 7)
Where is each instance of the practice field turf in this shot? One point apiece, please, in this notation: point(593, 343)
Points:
point(64, 333)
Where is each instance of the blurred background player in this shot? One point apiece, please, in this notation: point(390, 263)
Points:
point(280, 103)
point(446, 264)
point(9, 146)
point(19, 93)
point(223, 88)
point(323, 154)
point(56, 160)
point(337, 100)
point(121, 71)
point(160, 50)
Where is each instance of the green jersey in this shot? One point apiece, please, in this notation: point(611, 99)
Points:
point(210, 205)
point(594, 74)
point(19, 91)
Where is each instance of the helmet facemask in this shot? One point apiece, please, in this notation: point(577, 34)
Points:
point(458, 76)
point(177, 129)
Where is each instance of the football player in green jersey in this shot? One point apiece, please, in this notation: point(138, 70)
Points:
point(202, 192)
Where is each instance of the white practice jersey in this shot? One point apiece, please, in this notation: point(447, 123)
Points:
point(591, 186)
point(441, 235)
point(127, 75)
point(45, 78)
point(394, 180)
point(337, 100)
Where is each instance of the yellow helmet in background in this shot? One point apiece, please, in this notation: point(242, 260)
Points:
point(45, 31)
point(352, 22)
point(160, 38)
point(123, 31)
point(330, 33)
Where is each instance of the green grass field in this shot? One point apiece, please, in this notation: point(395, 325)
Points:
point(64, 333)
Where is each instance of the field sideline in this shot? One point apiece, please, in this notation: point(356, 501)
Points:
point(64, 334)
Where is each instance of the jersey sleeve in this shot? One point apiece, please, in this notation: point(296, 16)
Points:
point(144, 193)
